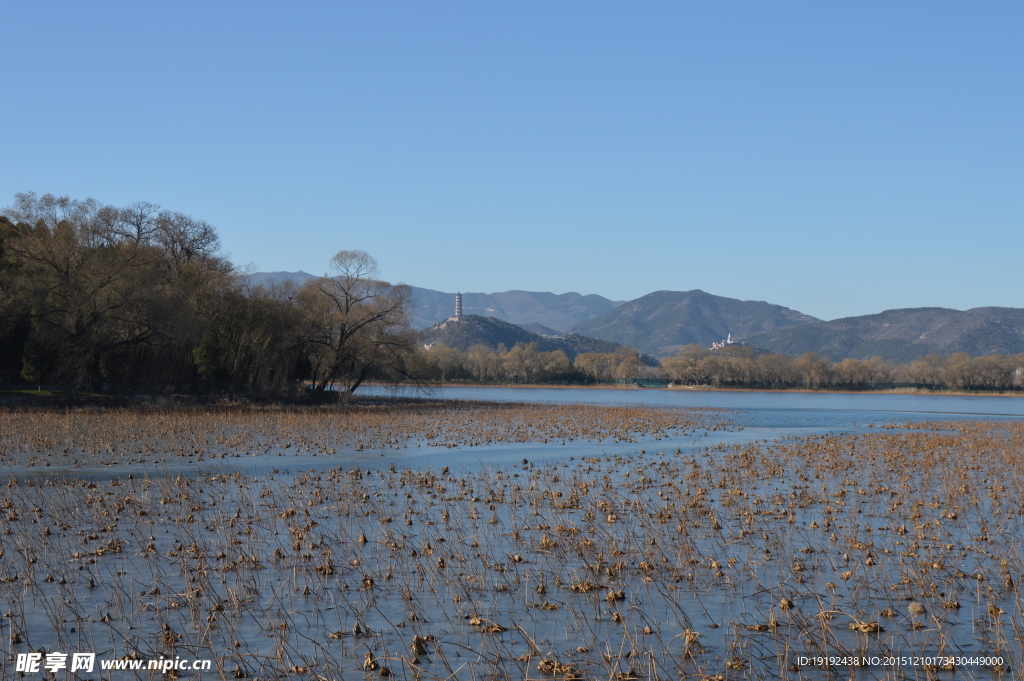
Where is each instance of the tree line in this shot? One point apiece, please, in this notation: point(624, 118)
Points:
point(525, 363)
point(733, 366)
point(94, 296)
point(742, 366)
point(128, 298)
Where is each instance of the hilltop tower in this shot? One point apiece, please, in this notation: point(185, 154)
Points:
point(458, 305)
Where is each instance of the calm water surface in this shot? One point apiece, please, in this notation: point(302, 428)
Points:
point(751, 416)
point(238, 559)
point(768, 414)
point(755, 401)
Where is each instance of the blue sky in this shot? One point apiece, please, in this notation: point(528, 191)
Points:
point(838, 159)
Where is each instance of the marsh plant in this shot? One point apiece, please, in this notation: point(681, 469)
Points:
point(717, 562)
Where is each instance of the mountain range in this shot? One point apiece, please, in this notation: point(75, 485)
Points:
point(555, 312)
point(660, 323)
point(903, 335)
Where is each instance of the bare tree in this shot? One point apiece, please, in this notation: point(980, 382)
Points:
point(815, 368)
point(138, 221)
point(358, 326)
point(183, 239)
point(684, 366)
point(926, 370)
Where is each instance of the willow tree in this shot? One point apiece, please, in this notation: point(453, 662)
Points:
point(357, 326)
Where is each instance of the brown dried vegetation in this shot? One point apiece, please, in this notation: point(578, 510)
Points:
point(727, 562)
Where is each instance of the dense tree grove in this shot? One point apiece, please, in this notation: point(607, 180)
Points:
point(99, 297)
point(138, 297)
point(526, 363)
point(732, 366)
point(742, 366)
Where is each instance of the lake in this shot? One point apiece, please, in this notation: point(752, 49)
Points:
point(739, 539)
point(882, 403)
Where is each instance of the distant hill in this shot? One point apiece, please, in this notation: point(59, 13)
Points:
point(903, 335)
point(557, 312)
point(1013, 316)
point(662, 322)
point(270, 278)
point(541, 329)
point(472, 330)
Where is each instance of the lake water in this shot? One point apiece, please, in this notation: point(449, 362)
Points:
point(605, 556)
point(829, 406)
point(753, 416)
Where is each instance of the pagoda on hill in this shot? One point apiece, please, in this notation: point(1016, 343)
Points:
point(458, 308)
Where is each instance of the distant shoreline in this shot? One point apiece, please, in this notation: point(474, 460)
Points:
point(15, 398)
point(708, 388)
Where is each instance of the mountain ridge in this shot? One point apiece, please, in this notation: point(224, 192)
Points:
point(904, 334)
point(661, 322)
point(556, 311)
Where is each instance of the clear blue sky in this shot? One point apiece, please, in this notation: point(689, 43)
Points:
point(836, 158)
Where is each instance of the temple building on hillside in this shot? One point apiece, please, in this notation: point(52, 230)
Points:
point(727, 341)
